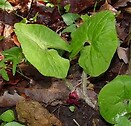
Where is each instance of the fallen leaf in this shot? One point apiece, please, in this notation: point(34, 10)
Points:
point(56, 94)
point(16, 40)
point(123, 54)
point(128, 9)
point(121, 32)
point(107, 6)
point(121, 3)
point(7, 31)
point(9, 100)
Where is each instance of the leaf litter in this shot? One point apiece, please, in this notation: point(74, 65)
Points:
point(51, 92)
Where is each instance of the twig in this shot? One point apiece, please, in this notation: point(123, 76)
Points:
point(76, 122)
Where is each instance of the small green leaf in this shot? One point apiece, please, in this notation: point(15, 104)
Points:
point(7, 116)
point(100, 35)
point(49, 5)
point(67, 7)
point(46, 1)
point(15, 55)
point(4, 4)
point(72, 108)
point(70, 28)
point(37, 42)
point(85, 17)
point(13, 124)
point(115, 99)
point(1, 37)
point(3, 72)
point(69, 18)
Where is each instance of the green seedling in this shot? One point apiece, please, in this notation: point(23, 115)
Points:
point(72, 108)
point(13, 55)
point(67, 7)
point(69, 19)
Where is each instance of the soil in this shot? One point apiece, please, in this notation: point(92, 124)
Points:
point(82, 116)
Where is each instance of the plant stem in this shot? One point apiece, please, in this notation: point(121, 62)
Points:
point(85, 83)
point(21, 74)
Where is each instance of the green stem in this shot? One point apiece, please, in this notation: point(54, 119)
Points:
point(20, 73)
point(85, 83)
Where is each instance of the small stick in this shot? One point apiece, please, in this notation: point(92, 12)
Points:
point(76, 122)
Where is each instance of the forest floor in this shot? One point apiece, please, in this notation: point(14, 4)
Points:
point(53, 94)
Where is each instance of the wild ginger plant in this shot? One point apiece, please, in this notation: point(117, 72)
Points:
point(40, 44)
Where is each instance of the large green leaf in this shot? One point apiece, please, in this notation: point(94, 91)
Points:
point(13, 124)
point(37, 41)
point(100, 34)
point(4, 4)
point(115, 99)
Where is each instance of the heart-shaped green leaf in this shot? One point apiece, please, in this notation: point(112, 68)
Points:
point(7, 116)
point(100, 34)
point(36, 42)
point(115, 99)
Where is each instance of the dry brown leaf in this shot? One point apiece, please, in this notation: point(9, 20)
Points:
point(9, 100)
point(121, 3)
point(7, 30)
point(56, 94)
point(123, 54)
point(121, 32)
point(15, 40)
point(107, 6)
point(128, 10)
point(78, 5)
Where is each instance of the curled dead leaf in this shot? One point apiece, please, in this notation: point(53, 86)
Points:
point(107, 6)
point(123, 54)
